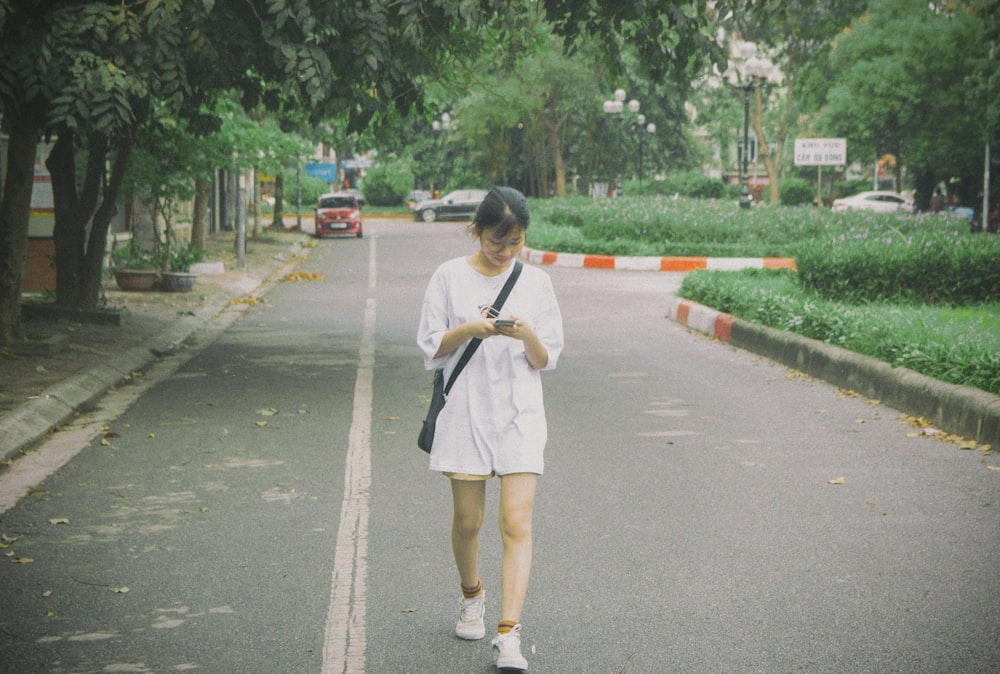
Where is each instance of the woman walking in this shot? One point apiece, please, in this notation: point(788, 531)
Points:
point(494, 421)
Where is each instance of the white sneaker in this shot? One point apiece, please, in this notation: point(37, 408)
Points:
point(470, 620)
point(507, 652)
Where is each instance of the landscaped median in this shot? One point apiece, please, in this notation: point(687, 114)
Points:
point(961, 410)
point(903, 293)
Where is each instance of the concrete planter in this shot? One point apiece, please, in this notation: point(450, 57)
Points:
point(177, 281)
point(136, 279)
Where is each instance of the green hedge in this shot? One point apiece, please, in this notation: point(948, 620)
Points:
point(388, 184)
point(910, 259)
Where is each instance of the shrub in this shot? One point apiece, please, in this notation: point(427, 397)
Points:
point(847, 188)
point(931, 259)
point(796, 191)
point(311, 187)
point(693, 184)
point(388, 184)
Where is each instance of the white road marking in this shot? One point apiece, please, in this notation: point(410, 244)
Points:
point(344, 642)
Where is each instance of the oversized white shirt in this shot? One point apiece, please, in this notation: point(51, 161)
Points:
point(494, 420)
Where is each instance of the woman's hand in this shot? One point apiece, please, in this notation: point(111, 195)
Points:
point(534, 351)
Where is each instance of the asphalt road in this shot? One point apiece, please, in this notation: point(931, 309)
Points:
point(258, 504)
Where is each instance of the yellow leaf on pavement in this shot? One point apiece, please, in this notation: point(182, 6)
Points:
point(837, 480)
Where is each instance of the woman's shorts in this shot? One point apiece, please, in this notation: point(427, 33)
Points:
point(467, 476)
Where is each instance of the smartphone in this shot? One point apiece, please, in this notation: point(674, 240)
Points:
point(504, 323)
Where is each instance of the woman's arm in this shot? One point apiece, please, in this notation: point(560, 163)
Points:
point(458, 336)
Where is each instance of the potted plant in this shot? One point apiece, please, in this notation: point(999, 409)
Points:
point(176, 275)
point(134, 269)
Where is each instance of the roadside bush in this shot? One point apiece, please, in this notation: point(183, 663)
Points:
point(847, 188)
point(796, 191)
point(928, 259)
point(312, 188)
point(388, 184)
point(692, 184)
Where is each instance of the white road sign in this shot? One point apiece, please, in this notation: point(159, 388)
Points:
point(820, 151)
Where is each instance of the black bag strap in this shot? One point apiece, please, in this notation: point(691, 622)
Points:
point(476, 341)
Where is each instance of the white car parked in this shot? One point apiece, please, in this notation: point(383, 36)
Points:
point(880, 202)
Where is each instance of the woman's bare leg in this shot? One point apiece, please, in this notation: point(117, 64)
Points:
point(469, 498)
point(517, 502)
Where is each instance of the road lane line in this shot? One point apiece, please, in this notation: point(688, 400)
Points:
point(344, 642)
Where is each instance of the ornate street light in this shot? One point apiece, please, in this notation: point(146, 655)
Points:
point(754, 73)
point(617, 107)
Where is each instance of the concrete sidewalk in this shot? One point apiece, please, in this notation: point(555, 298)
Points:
point(44, 390)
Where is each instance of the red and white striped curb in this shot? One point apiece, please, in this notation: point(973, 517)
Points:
point(627, 263)
point(699, 317)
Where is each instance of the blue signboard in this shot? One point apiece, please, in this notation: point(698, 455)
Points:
point(323, 171)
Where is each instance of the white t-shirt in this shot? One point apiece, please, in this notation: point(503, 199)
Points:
point(494, 420)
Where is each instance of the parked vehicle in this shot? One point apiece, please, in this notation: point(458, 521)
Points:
point(457, 205)
point(338, 214)
point(878, 201)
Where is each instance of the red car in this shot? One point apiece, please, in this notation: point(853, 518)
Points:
point(338, 214)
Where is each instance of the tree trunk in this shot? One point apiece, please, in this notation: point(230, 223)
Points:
point(97, 244)
point(278, 220)
point(762, 148)
point(73, 211)
point(15, 214)
point(199, 218)
point(558, 163)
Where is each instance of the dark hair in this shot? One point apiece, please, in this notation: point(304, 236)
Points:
point(503, 209)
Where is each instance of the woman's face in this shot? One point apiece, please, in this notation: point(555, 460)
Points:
point(498, 251)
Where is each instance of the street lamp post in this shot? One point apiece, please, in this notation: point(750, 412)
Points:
point(617, 107)
point(745, 199)
point(754, 72)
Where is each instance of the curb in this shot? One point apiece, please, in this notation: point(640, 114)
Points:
point(961, 410)
point(653, 263)
point(26, 425)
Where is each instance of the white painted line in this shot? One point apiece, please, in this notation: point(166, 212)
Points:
point(345, 636)
point(344, 643)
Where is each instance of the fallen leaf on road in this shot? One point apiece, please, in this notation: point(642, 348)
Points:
point(303, 276)
point(58, 520)
point(22, 560)
point(837, 480)
point(119, 590)
point(390, 418)
point(40, 369)
point(260, 424)
point(267, 411)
